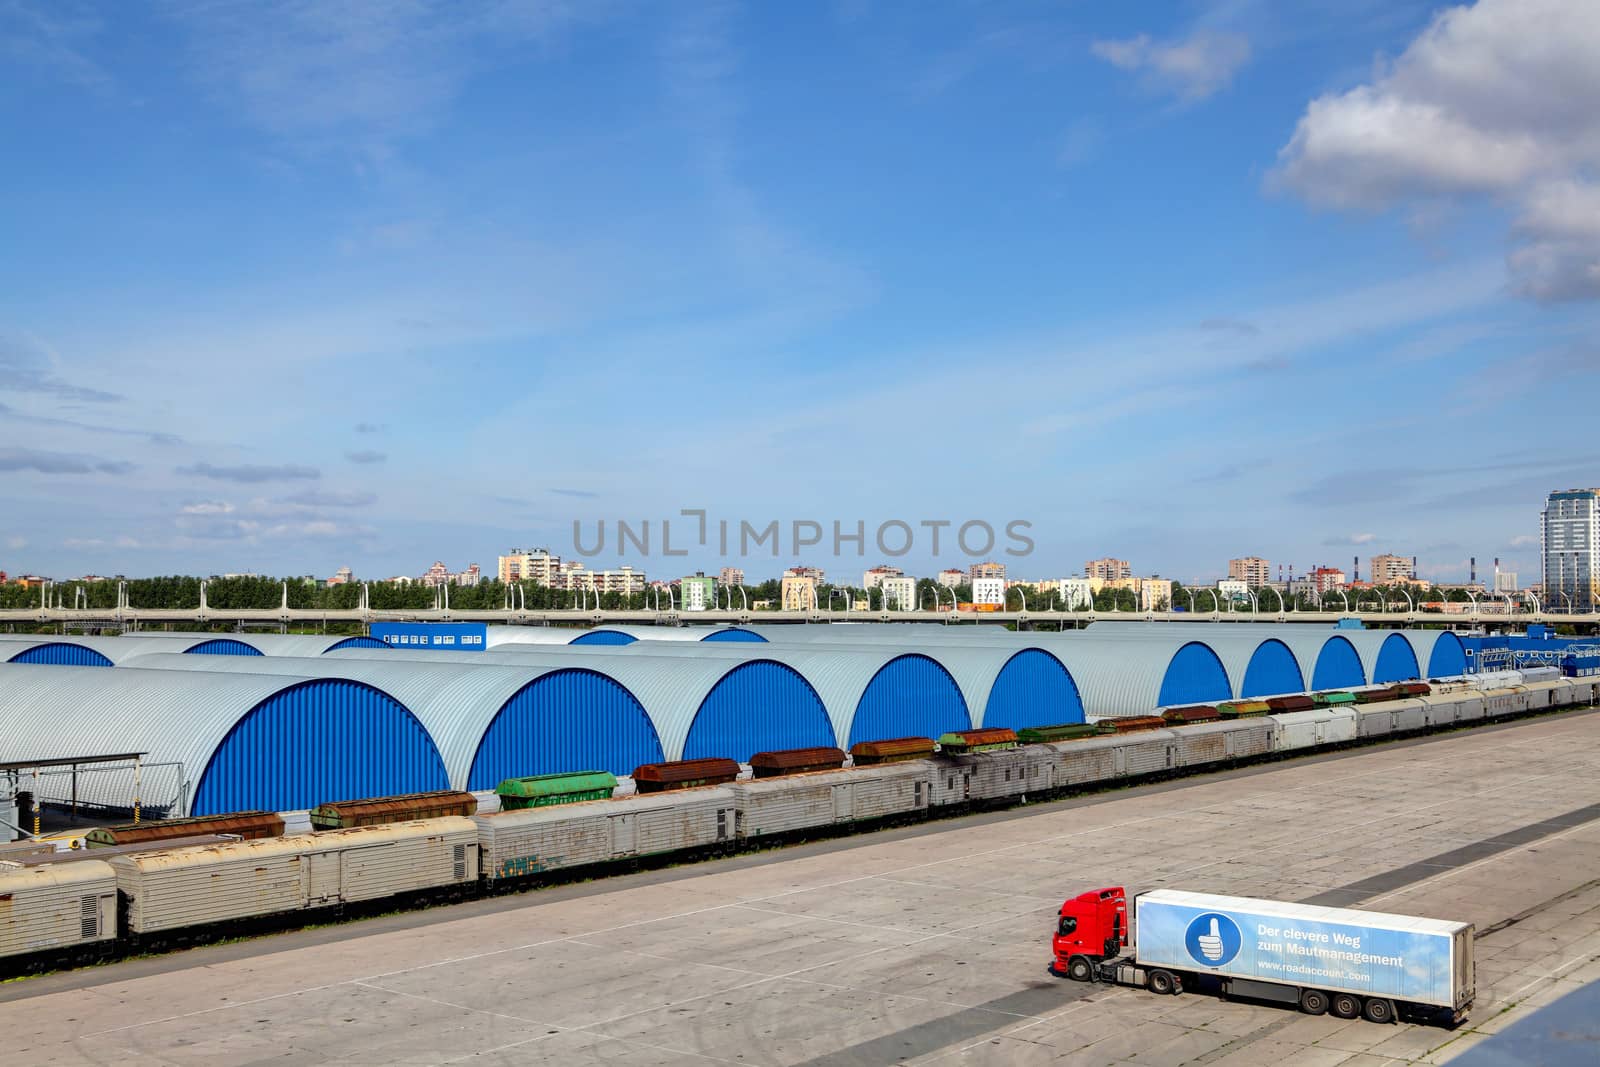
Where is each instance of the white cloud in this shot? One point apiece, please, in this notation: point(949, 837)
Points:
point(1193, 68)
point(16, 542)
point(1494, 99)
point(306, 68)
point(208, 507)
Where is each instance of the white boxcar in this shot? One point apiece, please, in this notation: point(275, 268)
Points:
point(1506, 701)
point(1218, 742)
point(783, 804)
point(1392, 717)
point(1150, 751)
point(56, 906)
point(1308, 729)
point(182, 887)
point(1448, 708)
point(1085, 762)
point(520, 843)
point(1005, 773)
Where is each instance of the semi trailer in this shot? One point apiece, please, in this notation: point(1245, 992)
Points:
point(1324, 960)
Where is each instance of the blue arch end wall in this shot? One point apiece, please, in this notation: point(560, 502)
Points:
point(319, 741)
point(736, 635)
point(1338, 666)
point(356, 642)
point(567, 720)
point(759, 706)
point(1032, 689)
point(1195, 675)
point(61, 654)
point(1448, 658)
point(603, 637)
point(222, 646)
point(1273, 671)
point(910, 696)
point(1397, 662)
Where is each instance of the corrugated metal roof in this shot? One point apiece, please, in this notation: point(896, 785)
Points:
point(116, 649)
point(455, 695)
point(670, 687)
point(651, 672)
point(298, 644)
point(171, 715)
point(496, 636)
point(502, 636)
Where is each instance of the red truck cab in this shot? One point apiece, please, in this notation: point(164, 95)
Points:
point(1091, 927)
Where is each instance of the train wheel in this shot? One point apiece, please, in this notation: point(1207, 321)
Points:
point(1345, 1006)
point(1313, 1001)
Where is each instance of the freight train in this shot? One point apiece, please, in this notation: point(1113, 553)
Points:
point(156, 891)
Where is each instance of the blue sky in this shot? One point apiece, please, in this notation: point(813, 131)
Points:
point(294, 285)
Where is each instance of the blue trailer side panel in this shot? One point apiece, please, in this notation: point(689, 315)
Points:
point(1408, 965)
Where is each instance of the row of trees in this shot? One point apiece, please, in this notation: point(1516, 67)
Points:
point(183, 592)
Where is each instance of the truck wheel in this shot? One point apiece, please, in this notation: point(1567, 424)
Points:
point(1379, 1010)
point(1313, 1001)
point(1079, 969)
point(1161, 982)
point(1345, 1006)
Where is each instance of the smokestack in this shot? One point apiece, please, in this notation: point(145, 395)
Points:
point(1413, 568)
point(1472, 573)
point(1355, 571)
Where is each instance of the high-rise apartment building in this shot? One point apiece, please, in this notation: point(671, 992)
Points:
point(986, 569)
point(731, 576)
point(814, 573)
point(951, 578)
point(530, 565)
point(1328, 579)
point(1251, 570)
point(1387, 569)
point(1107, 569)
point(1569, 529)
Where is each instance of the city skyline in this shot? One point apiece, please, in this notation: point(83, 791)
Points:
point(1123, 273)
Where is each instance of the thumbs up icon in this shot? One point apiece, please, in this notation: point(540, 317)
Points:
point(1211, 944)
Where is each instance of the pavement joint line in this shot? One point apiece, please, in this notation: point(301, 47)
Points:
point(782, 977)
point(667, 959)
point(457, 1007)
point(1448, 871)
point(1028, 1024)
